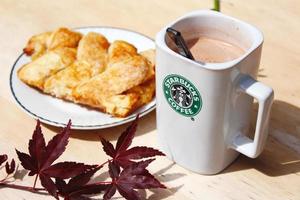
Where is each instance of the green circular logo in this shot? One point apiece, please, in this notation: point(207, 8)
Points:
point(182, 95)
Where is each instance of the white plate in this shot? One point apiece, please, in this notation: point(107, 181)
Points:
point(57, 112)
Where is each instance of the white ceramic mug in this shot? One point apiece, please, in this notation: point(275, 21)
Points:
point(210, 130)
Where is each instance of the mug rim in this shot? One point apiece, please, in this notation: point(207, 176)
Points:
point(258, 40)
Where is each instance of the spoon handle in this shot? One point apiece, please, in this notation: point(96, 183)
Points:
point(180, 43)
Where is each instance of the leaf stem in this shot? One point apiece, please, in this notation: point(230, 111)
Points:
point(36, 177)
point(4, 179)
point(101, 165)
point(21, 187)
point(101, 183)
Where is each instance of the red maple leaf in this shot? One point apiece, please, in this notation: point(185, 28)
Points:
point(3, 158)
point(41, 157)
point(10, 167)
point(123, 156)
point(134, 176)
point(78, 186)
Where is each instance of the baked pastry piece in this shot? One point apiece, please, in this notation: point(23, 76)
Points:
point(62, 83)
point(92, 48)
point(145, 91)
point(63, 37)
point(123, 104)
point(120, 105)
point(120, 50)
point(118, 90)
point(36, 72)
point(116, 79)
point(37, 45)
point(150, 56)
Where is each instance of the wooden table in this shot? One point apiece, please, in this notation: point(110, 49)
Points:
point(274, 175)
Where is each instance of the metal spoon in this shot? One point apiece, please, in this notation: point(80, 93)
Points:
point(177, 38)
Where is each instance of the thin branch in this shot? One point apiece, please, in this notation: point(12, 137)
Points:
point(101, 165)
point(36, 177)
point(4, 179)
point(101, 183)
point(21, 187)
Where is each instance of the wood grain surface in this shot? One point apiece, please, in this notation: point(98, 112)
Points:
point(273, 175)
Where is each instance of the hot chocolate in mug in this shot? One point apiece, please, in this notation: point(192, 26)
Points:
point(203, 109)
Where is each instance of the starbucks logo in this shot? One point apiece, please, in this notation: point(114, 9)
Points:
point(182, 95)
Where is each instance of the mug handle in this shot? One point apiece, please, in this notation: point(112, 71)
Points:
point(264, 95)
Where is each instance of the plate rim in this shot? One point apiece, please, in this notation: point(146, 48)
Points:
point(76, 126)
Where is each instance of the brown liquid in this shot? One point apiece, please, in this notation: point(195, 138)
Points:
point(211, 50)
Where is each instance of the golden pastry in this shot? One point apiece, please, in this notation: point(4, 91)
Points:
point(120, 50)
point(37, 45)
point(118, 78)
point(92, 48)
point(63, 37)
point(150, 55)
point(63, 82)
point(36, 72)
point(120, 105)
point(145, 91)
point(40, 43)
point(123, 104)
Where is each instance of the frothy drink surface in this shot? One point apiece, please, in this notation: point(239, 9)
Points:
point(211, 50)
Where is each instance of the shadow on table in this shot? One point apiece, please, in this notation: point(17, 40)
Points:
point(261, 73)
point(158, 194)
point(163, 176)
point(281, 155)
point(146, 124)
